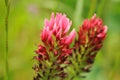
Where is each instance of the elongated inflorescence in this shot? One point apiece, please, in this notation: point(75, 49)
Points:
point(57, 40)
point(56, 55)
point(89, 41)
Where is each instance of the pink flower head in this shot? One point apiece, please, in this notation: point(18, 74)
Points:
point(58, 27)
point(55, 33)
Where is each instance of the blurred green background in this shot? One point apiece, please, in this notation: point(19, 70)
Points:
point(26, 20)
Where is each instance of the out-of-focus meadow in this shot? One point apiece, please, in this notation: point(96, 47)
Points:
point(26, 20)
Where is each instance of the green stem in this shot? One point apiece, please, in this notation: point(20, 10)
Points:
point(6, 30)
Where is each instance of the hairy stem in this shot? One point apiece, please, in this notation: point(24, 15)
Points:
point(6, 30)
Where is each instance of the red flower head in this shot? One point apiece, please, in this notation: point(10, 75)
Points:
point(92, 32)
point(90, 39)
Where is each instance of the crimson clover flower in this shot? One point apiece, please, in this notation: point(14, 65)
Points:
point(89, 41)
point(56, 59)
point(92, 31)
point(91, 34)
point(56, 41)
